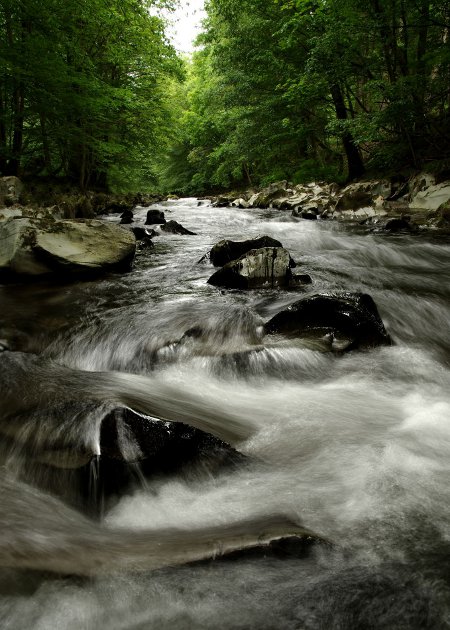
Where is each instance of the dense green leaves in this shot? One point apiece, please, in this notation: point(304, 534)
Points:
point(315, 89)
point(297, 89)
point(82, 88)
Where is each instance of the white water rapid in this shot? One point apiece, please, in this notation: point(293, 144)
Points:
point(355, 448)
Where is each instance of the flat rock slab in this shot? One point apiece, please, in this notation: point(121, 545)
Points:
point(265, 267)
point(347, 320)
point(35, 247)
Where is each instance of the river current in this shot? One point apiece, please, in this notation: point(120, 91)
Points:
point(355, 448)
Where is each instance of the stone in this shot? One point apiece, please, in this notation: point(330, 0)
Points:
point(299, 280)
point(431, 198)
point(345, 321)
point(266, 267)
point(10, 190)
point(36, 247)
point(306, 212)
point(155, 217)
point(222, 201)
point(399, 224)
point(173, 227)
point(142, 233)
point(419, 183)
point(362, 194)
point(266, 196)
point(240, 203)
point(225, 251)
point(126, 217)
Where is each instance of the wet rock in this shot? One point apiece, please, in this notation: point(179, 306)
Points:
point(240, 203)
point(165, 447)
point(225, 251)
point(344, 320)
point(173, 227)
point(35, 247)
point(222, 201)
point(126, 217)
point(399, 224)
point(155, 217)
point(299, 280)
point(143, 233)
point(264, 267)
point(308, 212)
point(133, 447)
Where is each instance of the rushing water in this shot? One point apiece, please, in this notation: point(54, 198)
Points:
point(355, 448)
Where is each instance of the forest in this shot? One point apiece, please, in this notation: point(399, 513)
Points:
point(94, 93)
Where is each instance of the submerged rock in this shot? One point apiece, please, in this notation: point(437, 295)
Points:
point(155, 217)
point(225, 251)
point(345, 320)
point(173, 227)
point(36, 247)
point(264, 267)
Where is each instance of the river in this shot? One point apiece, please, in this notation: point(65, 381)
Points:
point(355, 448)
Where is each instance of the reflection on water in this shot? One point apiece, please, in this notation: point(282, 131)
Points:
point(354, 447)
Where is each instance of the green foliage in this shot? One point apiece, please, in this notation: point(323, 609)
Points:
point(82, 89)
point(314, 89)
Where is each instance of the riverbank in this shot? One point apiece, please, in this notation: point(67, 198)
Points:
point(396, 205)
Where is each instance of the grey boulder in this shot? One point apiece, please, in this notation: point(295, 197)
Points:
point(265, 267)
point(36, 247)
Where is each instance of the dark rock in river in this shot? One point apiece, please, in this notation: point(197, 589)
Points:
point(155, 217)
point(346, 320)
point(400, 224)
point(225, 251)
point(264, 267)
point(126, 217)
point(299, 280)
point(176, 228)
point(134, 447)
point(142, 233)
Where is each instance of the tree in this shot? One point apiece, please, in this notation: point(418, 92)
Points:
point(81, 86)
point(303, 89)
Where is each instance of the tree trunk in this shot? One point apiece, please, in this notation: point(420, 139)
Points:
point(354, 161)
point(13, 166)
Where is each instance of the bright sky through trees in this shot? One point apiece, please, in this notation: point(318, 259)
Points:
point(186, 24)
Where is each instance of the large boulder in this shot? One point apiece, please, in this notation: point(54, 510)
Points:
point(35, 247)
point(345, 320)
point(225, 251)
point(362, 194)
point(264, 267)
